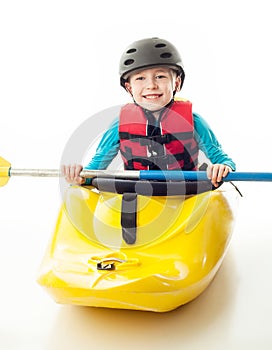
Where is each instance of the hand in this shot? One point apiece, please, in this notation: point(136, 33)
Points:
point(72, 174)
point(216, 172)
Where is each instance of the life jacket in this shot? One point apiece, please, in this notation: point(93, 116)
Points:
point(173, 146)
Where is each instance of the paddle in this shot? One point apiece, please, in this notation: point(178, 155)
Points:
point(6, 171)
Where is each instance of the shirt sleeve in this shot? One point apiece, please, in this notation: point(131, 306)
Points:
point(208, 143)
point(107, 148)
point(106, 151)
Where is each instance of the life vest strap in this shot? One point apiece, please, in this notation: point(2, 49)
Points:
point(161, 139)
point(160, 161)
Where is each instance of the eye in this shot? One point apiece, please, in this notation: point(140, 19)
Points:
point(160, 76)
point(139, 78)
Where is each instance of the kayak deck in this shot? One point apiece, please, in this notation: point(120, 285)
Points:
point(180, 244)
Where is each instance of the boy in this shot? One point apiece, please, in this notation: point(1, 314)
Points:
point(156, 131)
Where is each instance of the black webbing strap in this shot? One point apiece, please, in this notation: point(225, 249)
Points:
point(129, 217)
point(160, 161)
point(161, 139)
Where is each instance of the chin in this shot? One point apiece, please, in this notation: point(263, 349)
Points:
point(151, 106)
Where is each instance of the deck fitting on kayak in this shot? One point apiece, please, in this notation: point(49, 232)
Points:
point(105, 266)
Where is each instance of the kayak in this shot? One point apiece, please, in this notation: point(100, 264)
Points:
point(141, 245)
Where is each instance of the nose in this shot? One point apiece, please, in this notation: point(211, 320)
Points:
point(151, 83)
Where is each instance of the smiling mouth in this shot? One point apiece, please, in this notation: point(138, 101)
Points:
point(152, 97)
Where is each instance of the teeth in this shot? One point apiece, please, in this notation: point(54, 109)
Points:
point(151, 97)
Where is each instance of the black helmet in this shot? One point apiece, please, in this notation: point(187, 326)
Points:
point(148, 53)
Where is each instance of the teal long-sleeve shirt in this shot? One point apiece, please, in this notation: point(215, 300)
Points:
point(108, 147)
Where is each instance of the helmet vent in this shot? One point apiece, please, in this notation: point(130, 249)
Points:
point(128, 62)
point(131, 50)
point(166, 55)
point(160, 45)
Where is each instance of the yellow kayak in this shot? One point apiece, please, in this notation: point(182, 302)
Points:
point(138, 245)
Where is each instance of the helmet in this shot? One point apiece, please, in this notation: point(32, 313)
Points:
point(149, 53)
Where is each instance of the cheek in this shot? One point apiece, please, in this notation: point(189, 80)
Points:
point(135, 91)
point(171, 88)
point(131, 91)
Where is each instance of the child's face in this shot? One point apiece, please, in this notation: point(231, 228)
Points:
point(153, 88)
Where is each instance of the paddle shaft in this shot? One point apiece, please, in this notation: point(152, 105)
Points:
point(174, 175)
point(35, 172)
point(202, 175)
point(84, 173)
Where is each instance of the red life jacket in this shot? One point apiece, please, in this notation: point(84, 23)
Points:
point(174, 147)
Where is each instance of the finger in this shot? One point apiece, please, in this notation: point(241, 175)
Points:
point(78, 170)
point(72, 171)
point(226, 171)
point(66, 171)
point(214, 177)
point(79, 179)
point(221, 171)
point(209, 171)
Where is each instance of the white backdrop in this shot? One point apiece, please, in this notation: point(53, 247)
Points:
point(59, 66)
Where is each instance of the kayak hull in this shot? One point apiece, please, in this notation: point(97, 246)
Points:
point(180, 244)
